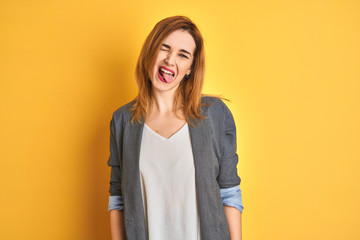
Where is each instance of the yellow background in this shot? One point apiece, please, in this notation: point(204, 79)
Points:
point(290, 68)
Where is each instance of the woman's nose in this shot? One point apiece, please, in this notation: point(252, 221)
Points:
point(170, 58)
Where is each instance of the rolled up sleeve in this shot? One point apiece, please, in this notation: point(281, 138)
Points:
point(228, 178)
point(232, 197)
point(115, 202)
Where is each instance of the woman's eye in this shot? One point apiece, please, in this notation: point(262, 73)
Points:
point(163, 49)
point(183, 56)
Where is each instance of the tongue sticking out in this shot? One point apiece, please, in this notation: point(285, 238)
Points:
point(168, 77)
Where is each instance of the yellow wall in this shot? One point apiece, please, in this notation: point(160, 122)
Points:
point(291, 69)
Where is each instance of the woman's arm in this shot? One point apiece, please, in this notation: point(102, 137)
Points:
point(228, 177)
point(233, 217)
point(117, 224)
point(115, 200)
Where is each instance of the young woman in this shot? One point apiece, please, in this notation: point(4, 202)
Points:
point(172, 149)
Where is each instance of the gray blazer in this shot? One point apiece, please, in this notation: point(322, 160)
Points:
point(213, 143)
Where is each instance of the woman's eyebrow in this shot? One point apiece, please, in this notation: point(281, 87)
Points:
point(181, 50)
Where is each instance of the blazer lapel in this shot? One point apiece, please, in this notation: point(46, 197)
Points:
point(134, 211)
point(201, 140)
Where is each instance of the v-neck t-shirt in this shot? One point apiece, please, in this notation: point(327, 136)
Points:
point(168, 187)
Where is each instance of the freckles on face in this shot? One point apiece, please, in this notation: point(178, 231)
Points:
point(174, 58)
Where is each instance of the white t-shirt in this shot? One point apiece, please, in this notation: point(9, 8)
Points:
point(168, 186)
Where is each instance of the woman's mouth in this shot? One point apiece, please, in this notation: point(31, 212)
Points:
point(166, 75)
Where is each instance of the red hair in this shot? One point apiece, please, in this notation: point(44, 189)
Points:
point(188, 94)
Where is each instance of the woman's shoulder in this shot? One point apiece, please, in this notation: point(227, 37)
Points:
point(124, 110)
point(217, 111)
point(212, 103)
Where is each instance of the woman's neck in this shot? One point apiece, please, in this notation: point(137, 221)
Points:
point(163, 102)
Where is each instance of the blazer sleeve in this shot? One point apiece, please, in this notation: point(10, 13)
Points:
point(228, 176)
point(114, 162)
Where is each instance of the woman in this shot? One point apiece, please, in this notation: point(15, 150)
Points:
point(173, 150)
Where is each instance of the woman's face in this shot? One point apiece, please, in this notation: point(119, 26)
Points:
point(173, 61)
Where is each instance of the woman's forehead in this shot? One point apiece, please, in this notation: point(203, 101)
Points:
point(180, 39)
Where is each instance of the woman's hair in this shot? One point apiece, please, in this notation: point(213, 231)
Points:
point(188, 94)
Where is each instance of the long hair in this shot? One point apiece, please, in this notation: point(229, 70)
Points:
point(188, 94)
